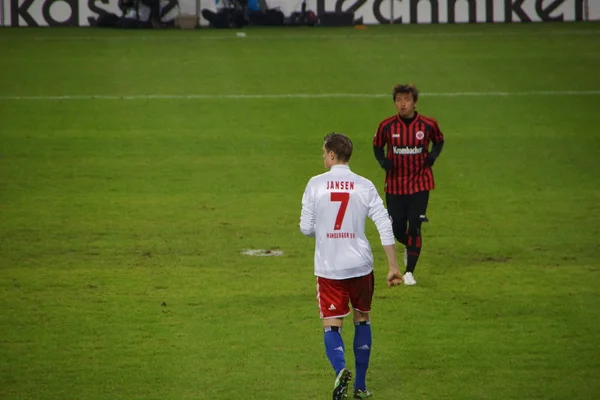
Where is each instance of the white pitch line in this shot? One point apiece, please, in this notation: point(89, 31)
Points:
point(249, 35)
point(296, 95)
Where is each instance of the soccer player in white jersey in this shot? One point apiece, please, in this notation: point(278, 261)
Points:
point(335, 207)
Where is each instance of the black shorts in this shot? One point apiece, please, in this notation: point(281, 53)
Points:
point(407, 207)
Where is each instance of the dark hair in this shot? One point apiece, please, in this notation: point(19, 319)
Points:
point(340, 144)
point(406, 88)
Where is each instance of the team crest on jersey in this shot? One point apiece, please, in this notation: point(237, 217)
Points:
point(420, 135)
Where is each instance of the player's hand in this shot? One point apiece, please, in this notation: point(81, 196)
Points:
point(429, 160)
point(394, 277)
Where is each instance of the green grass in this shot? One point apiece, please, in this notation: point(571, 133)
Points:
point(122, 221)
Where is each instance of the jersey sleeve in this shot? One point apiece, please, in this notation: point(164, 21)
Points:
point(307, 215)
point(437, 135)
point(379, 139)
point(379, 215)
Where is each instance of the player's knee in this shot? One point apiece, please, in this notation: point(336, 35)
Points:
point(398, 222)
point(360, 317)
point(414, 227)
point(399, 227)
point(335, 323)
point(399, 231)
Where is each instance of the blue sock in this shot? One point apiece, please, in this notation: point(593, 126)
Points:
point(334, 348)
point(362, 352)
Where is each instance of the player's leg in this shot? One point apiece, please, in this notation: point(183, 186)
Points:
point(416, 215)
point(333, 297)
point(361, 296)
point(397, 207)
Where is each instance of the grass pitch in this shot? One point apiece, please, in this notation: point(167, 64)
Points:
point(136, 166)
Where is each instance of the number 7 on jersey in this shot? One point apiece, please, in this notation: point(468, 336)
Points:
point(342, 197)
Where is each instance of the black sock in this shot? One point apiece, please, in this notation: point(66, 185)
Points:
point(413, 250)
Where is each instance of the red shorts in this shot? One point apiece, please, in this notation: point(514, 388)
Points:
point(333, 295)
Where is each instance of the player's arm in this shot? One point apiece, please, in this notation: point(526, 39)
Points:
point(379, 150)
point(307, 215)
point(380, 157)
point(379, 215)
point(437, 146)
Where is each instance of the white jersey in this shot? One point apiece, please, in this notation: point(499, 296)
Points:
point(335, 207)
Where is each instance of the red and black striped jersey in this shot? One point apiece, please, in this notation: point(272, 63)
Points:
point(407, 146)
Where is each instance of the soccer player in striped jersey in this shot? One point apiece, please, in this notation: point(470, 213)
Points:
point(335, 206)
point(402, 147)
